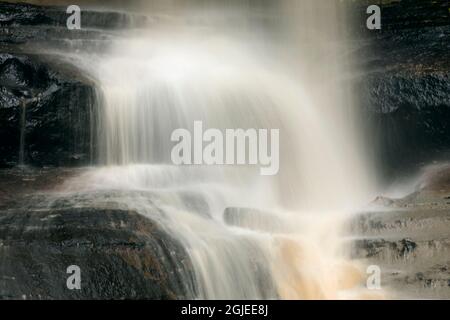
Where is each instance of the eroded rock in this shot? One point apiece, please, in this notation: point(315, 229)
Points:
point(121, 254)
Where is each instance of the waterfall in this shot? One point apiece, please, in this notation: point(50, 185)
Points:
point(265, 67)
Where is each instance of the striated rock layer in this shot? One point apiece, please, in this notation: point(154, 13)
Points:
point(37, 77)
point(409, 239)
point(404, 84)
point(121, 255)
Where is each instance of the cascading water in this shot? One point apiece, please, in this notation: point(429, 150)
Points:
point(228, 73)
point(23, 122)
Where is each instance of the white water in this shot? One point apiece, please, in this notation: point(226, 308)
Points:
point(167, 77)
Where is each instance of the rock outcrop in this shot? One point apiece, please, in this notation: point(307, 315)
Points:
point(58, 99)
point(404, 91)
point(409, 239)
point(404, 83)
point(51, 107)
point(22, 14)
point(121, 255)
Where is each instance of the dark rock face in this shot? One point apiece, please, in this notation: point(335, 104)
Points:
point(376, 248)
point(24, 27)
point(27, 14)
point(51, 103)
point(59, 101)
point(121, 255)
point(404, 91)
point(58, 113)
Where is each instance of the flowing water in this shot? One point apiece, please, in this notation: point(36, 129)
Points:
point(279, 66)
point(23, 121)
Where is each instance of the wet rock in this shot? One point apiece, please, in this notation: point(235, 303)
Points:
point(27, 28)
point(409, 239)
point(436, 178)
point(383, 201)
point(408, 246)
point(121, 254)
point(58, 98)
point(58, 112)
point(408, 113)
point(386, 249)
point(404, 85)
point(31, 15)
point(20, 181)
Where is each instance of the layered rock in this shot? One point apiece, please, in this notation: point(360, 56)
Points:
point(404, 91)
point(53, 109)
point(121, 254)
point(47, 118)
point(45, 100)
point(22, 14)
point(404, 81)
point(409, 239)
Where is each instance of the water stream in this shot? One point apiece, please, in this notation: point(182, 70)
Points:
point(248, 236)
point(23, 122)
